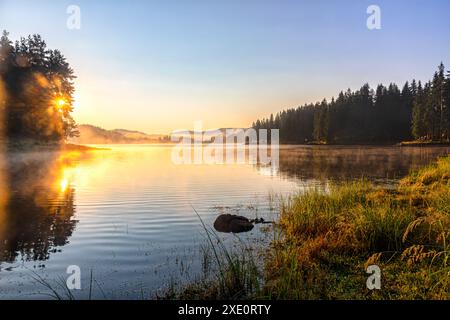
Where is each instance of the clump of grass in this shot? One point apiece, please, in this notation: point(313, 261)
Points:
point(330, 237)
point(227, 273)
point(236, 276)
point(58, 290)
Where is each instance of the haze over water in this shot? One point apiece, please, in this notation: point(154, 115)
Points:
point(127, 214)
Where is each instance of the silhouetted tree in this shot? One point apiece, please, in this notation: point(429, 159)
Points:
point(418, 117)
point(38, 90)
point(446, 107)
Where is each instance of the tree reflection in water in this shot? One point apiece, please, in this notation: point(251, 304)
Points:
point(383, 163)
point(36, 205)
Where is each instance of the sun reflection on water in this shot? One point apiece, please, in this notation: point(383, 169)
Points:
point(64, 184)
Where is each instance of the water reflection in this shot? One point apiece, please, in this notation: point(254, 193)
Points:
point(134, 205)
point(352, 162)
point(36, 205)
point(37, 202)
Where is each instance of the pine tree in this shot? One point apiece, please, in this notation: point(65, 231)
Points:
point(321, 121)
point(446, 100)
point(418, 114)
point(438, 101)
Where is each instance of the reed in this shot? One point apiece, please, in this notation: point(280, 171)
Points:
point(331, 237)
point(227, 273)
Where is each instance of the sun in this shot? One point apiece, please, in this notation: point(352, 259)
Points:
point(60, 102)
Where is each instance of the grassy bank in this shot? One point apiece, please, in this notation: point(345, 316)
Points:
point(327, 240)
point(330, 239)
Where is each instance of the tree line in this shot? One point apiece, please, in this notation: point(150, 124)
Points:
point(387, 114)
point(36, 91)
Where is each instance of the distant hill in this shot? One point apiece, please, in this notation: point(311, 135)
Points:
point(90, 134)
point(208, 135)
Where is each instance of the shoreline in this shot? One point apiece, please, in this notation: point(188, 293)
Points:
point(423, 144)
point(393, 144)
point(80, 147)
point(327, 241)
point(20, 147)
point(397, 144)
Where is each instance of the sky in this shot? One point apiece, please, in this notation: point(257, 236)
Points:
point(158, 66)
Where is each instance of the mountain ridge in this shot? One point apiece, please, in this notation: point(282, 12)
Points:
point(90, 134)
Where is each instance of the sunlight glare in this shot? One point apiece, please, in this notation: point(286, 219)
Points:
point(64, 184)
point(60, 103)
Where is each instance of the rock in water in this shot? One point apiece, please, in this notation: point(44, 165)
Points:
point(232, 223)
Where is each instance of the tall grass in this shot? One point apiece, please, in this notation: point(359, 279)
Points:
point(330, 237)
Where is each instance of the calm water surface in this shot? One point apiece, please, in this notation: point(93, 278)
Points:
point(127, 214)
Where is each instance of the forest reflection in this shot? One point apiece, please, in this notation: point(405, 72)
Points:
point(37, 193)
point(353, 162)
point(36, 204)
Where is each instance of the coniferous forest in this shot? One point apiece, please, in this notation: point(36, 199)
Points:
point(388, 114)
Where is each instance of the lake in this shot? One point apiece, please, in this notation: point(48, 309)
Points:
point(129, 217)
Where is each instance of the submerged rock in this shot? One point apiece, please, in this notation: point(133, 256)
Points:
point(232, 223)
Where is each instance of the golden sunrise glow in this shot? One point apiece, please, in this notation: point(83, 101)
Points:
point(64, 184)
point(59, 102)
